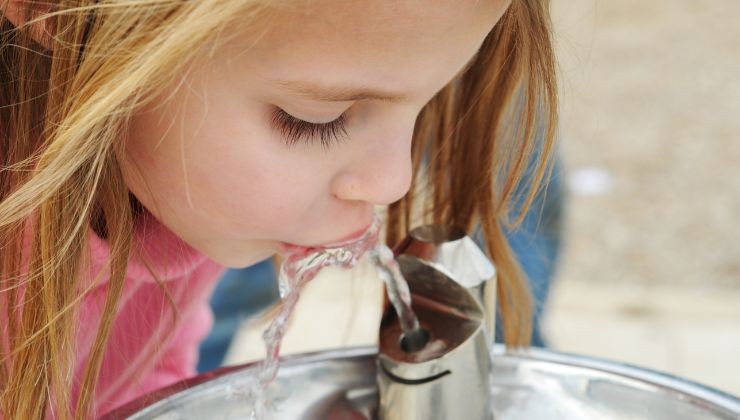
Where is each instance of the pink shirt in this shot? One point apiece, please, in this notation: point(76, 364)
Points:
point(144, 316)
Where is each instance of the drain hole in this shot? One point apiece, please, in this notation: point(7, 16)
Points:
point(414, 340)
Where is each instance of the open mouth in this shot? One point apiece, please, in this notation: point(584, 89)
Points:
point(355, 237)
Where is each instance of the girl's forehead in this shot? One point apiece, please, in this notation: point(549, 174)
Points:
point(375, 24)
point(375, 15)
point(386, 40)
point(381, 20)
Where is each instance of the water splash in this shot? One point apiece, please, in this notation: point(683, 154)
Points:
point(299, 267)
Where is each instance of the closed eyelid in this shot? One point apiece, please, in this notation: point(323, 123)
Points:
point(295, 129)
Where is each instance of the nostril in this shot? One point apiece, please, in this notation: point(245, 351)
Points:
point(380, 180)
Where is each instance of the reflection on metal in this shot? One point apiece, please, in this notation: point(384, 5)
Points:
point(448, 378)
point(450, 251)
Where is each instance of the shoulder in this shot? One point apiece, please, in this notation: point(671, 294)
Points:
point(156, 253)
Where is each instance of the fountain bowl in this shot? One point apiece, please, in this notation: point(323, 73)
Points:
point(525, 384)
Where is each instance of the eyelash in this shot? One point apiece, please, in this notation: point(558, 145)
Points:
point(294, 129)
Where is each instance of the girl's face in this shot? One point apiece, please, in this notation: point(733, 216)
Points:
point(295, 138)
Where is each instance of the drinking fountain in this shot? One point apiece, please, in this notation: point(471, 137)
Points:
point(454, 372)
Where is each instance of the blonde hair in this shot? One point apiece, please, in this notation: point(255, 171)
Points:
point(62, 113)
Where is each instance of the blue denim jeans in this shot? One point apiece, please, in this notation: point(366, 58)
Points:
point(536, 243)
point(238, 295)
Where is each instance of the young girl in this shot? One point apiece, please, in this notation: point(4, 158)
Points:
point(147, 144)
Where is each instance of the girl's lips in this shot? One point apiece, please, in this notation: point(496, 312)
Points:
point(347, 239)
point(343, 241)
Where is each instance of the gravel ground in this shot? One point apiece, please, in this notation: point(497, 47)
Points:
point(651, 140)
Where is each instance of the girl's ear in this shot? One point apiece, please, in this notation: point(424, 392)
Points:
point(15, 10)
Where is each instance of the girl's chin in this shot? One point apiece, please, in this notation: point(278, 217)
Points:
point(247, 259)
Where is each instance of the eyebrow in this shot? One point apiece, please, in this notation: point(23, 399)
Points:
point(329, 93)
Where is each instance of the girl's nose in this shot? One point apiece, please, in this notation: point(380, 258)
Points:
point(379, 175)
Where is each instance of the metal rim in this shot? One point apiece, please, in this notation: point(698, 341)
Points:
point(689, 389)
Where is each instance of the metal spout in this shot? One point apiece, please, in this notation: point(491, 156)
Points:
point(449, 250)
point(452, 285)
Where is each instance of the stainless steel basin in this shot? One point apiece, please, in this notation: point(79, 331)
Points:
point(531, 384)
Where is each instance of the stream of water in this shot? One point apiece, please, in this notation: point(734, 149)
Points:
point(299, 267)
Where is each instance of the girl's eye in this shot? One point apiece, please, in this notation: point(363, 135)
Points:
point(295, 130)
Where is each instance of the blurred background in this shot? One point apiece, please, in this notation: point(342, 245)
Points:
point(651, 141)
point(650, 269)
